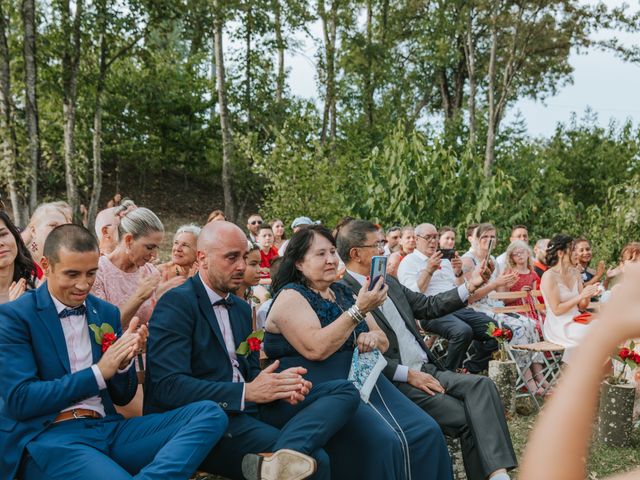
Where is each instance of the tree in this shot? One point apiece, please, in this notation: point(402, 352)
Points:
point(31, 97)
point(71, 34)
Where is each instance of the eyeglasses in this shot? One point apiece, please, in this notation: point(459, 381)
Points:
point(378, 245)
point(428, 238)
point(254, 222)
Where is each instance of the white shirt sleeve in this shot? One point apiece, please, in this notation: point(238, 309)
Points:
point(463, 292)
point(401, 374)
point(408, 274)
point(99, 378)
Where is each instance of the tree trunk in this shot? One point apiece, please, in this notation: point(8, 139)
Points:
point(470, 54)
point(280, 46)
point(7, 127)
point(368, 80)
point(97, 119)
point(329, 123)
point(225, 127)
point(70, 67)
point(31, 97)
point(489, 155)
point(247, 74)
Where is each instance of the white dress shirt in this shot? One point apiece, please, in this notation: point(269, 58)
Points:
point(222, 315)
point(412, 356)
point(76, 336)
point(442, 279)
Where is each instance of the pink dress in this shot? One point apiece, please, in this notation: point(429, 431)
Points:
point(116, 286)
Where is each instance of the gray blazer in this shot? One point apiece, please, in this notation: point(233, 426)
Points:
point(411, 306)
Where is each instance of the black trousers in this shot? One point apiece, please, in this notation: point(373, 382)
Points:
point(460, 328)
point(470, 409)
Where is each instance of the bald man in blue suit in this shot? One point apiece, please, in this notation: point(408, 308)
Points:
point(58, 388)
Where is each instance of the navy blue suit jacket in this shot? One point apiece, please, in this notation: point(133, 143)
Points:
point(187, 359)
point(36, 382)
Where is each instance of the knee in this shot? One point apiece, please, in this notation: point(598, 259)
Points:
point(346, 390)
point(210, 413)
point(463, 333)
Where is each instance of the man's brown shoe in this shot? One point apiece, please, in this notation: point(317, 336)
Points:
point(281, 465)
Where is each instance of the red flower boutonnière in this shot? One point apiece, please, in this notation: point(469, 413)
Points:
point(251, 344)
point(103, 335)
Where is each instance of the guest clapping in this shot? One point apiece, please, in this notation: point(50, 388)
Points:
point(564, 295)
point(582, 250)
point(17, 273)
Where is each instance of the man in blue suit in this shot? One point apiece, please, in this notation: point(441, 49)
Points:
point(194, 333)
point(61, 373)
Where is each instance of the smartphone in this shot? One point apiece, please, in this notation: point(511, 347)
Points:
point(378, 269)
point(447, 253)
point(490, 249)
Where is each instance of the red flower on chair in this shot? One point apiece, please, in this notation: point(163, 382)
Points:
point(629, 358)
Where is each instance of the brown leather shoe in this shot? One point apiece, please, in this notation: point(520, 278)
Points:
point(281, 465)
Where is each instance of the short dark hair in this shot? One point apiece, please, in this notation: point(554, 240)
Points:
point(446, 229)
point(74, 238)
point(352, 235)
point(395, 228)
point(297, 248)
point(265, 226)
point(253, 215)
point(516, 227)
point(470, 229)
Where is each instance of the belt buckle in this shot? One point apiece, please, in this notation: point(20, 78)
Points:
point(75, 414)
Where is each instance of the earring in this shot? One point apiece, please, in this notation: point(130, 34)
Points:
point(33, 246)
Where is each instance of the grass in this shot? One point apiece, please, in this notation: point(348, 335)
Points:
point(604, 460)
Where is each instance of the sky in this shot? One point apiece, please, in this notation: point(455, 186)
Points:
point(602, 83)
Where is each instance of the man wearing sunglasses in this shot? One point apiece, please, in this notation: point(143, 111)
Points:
point(253, 225)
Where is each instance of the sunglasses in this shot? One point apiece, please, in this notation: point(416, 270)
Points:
point(259, 222)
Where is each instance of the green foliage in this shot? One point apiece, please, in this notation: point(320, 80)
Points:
point(415, 178)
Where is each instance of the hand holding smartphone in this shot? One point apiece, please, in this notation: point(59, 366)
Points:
point(378, 269)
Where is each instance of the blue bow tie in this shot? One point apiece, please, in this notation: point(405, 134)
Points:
point(70, 312)
point(224, 302)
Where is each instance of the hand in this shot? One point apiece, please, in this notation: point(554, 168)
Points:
point(146, 285)
point(168, 285)
point(140, 334)
point(620, 314)
point(434, 262)
point(367, 342)
point(425, 382)
point(370, 300)
point(17, 288)
point(456, 264)
point(590, 291)
point(269, 386)
point(480, 275)
point(507, 279)
point(117, 355)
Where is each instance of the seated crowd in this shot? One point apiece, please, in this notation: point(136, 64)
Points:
point(114, 365)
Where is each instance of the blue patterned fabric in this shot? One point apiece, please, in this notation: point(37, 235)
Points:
point(276, 346)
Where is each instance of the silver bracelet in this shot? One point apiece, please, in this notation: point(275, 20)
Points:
point(356, 314)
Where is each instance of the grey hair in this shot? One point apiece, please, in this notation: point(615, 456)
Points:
point(189, 228)
point(139, 223)
point(353, 234)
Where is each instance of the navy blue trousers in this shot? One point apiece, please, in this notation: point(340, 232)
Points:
point(158, 446)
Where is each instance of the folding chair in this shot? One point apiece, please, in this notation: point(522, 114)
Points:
point(551, 353)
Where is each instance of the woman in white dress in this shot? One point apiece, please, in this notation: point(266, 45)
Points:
point(564, 296)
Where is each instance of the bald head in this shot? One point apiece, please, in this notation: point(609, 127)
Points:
point(222, 252)
point(220, 234)
point(540, 250)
